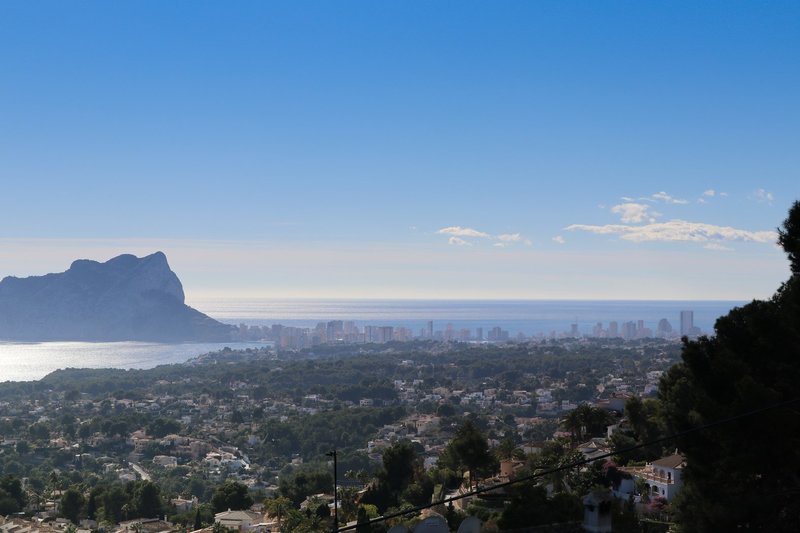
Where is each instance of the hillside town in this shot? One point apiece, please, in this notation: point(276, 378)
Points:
point(262, 419)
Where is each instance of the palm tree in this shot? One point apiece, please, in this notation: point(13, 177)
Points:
point(574, 423)
point(277, 507)
point(55, 483)
point(507, 449)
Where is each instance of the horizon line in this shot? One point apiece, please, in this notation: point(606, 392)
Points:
point(466, 299)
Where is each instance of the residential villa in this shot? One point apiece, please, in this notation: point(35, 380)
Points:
point(663, 477)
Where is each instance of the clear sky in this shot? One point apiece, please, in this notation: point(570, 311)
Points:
point(418, 149)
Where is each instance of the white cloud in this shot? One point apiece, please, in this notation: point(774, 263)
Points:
point(559, 239)
point(701, 201)
point(717, 247)
point(458, 231)
point(723, 194)
point(709, 192)
point(666, 198)
point(631, 212)
point(457, 241)
point(509, 237)
point(764, 196)
point(678, 231)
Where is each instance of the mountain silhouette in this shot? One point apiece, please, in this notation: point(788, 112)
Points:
point(125, 298)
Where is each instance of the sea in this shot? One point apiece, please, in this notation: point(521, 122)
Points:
point(32, 361)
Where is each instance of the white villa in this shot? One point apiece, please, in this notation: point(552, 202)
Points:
point(663, 477)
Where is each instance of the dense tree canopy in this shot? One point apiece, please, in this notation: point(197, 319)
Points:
point(231, 495)
point(400, 480)
point(12, 497)
point(72, 502)
point(469, 450)
point(746, 473)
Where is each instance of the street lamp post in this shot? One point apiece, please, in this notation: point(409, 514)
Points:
point(335, 492)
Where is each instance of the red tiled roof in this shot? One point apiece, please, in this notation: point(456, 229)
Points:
point(671, 461)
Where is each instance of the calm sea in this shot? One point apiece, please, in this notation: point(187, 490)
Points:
point(516, 316)
point(28, 361)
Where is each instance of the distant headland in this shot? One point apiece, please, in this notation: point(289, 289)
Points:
point(127, 298)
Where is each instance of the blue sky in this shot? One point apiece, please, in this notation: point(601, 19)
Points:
point(405, 149)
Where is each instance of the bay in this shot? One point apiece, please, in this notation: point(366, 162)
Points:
point(30, 361)
point(33, 360)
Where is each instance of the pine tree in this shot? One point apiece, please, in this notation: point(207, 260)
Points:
point(746, 473)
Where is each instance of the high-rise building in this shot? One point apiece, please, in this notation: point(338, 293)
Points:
point(613, 330)
point(498, 334)
point(629, 330)
point(449, 332)
point(687, 323)
point(385, 333)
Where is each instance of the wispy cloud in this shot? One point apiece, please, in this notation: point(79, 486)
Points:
point(709, 192)
point(458, 241)
point(668, 199)
point(763, 196)
point(559, 239)
point(458, 231)
point(633, 213)
point(677, 231)
point(509, 237)
point(718, 247)
point(459, 234)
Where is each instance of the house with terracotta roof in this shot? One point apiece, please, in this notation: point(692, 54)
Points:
point(241, 520)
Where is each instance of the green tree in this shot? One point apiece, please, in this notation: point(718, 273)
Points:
point(742, 474)
point(114, 500)
point(12, 497)
point(161, 427)
point(304, 482)
point(198, 522)
point(72, 502)
point(92, 503)
point(507, 449)
point(647, 425)
point(278, 507)
point(400, 463)
point(231, 495)
point(22, 447)
point(147, 500)
point(469, 449)
point(586, 421)
point(530, 506)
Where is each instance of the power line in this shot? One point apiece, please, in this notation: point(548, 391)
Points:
point(572, 465)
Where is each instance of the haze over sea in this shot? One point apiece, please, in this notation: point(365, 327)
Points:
point(29, 361)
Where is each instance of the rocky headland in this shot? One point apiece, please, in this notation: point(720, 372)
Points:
point(126, 298)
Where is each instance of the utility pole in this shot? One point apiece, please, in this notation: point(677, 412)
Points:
point(335, 492)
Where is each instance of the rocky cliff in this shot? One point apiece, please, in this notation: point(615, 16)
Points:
point(125, 298)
